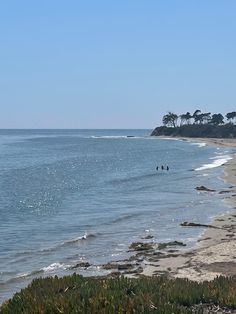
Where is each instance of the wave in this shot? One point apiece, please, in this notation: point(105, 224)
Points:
point(55, 266)
point(167, 138)
point(127, 217)
point(220, 156)
point(199, 144)
point(86, 236)
point(134, 178)
point(29, 274)
point(50, 268)
point(20, 256)
point(218, 161)
point(21, 276)
point(115, 136)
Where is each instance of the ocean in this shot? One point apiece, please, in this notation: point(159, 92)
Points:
point(68, 196)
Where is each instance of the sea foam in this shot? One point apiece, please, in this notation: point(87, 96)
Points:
point(218, 161)
point(199, 144)
point(112, 136)
point(55, 266)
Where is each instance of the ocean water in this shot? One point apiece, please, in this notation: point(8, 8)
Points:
point(68, 196)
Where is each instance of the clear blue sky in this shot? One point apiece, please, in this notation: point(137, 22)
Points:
point(114, 64)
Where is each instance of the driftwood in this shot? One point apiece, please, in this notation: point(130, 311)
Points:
point(193, 224)
point(162, 246)
point(203, 188)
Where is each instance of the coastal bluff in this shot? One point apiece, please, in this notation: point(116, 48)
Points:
point(197, 130)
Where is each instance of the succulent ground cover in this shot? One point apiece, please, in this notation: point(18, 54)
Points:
point(77, 294)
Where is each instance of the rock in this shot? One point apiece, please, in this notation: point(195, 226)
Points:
point(135, 271)
point(159, 254)
point(125, 266)
point(162, 246)
point(193, 224)
point(224, 192)
point(199, 240)
point(119, 267)
point(110, 266)
point(140, 246)
point(82, 264)
point(148, 237)
point(203, 188)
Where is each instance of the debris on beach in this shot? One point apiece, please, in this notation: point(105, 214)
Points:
point(224, 191)
point(140, 246)
point(162, 246)
point(193, 224)
point(203, 188)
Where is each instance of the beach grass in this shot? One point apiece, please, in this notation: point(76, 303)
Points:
point(77, 294)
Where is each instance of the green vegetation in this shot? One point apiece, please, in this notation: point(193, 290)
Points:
point(197, 130)
point(198, 117)
point(198, 125)
point(76, 294)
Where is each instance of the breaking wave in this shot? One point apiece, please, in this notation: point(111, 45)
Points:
point(115, 136)
point(199, 144)
point(55, 266)
point(218, 161)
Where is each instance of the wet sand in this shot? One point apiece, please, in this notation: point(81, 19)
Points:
point(215, 253)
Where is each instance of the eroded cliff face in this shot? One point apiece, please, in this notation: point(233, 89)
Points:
point(196, 130)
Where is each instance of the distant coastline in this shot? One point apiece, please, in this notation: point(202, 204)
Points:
point(197, 130)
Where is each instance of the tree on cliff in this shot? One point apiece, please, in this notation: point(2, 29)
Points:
point(185, 118)
point(217, 119)
point(196, 116)
point(231, 116)
point(188, 117)
point(206, 117)
point(170, 119)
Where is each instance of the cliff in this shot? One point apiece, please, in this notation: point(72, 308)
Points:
point(197, 130)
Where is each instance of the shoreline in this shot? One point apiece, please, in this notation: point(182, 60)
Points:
point(215, 253)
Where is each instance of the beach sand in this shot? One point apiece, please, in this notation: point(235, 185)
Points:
point(215, 253)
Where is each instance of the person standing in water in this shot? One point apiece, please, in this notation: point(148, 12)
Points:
point(167, 168)
point(157, 168)
point(162, 167)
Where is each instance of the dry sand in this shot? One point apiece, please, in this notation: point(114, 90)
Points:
point(215, 253)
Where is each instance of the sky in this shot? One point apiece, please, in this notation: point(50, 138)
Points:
point(114, 64)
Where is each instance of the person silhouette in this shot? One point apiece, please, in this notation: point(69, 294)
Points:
point(162, 167)
point(167, 168)
point(157, 168)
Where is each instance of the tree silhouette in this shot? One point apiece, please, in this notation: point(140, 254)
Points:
point(170, 119)
point(217, 119)
point(182, 119)
point(185, 118)
point(196, 116)
point(188, 117)
point(231, 116)
point(205, 117)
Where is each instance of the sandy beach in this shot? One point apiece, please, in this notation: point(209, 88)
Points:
point(215, 253)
